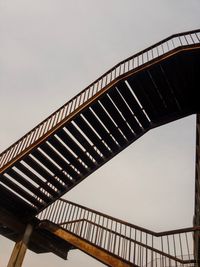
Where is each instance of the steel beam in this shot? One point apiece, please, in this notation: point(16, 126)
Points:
point(20, 248)
point(197, 193)
point(87, 247)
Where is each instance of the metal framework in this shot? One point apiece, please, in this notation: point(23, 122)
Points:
point(125, 244)
point(149, 89)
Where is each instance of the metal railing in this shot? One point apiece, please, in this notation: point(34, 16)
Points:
point(132, 243)
point(60, 116)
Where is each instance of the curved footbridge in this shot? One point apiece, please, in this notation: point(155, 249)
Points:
point(157, 85)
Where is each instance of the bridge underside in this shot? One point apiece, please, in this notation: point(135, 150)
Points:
point(159, 91)
point(153, 95)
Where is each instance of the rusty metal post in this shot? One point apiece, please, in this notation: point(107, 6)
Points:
point(197, 194)
point(20, 248)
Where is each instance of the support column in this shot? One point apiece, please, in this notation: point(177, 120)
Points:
point(20, 248)
point(197, 194)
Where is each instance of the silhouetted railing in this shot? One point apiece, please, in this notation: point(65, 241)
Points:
point(132, 243)
point(59, 117)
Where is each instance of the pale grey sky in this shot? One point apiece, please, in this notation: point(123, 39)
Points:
point(52, 49)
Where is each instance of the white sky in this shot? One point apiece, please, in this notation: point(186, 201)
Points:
point(52, 49)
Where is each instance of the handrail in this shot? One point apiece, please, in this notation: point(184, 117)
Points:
point(59, 117)
point(52, 213)
point(123, 239)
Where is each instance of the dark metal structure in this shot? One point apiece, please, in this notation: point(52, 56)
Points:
point(149, 89)
point(131, 245)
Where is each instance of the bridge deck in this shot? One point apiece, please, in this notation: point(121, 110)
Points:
point(155, 86)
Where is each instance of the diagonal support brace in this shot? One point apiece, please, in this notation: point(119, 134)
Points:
point(20, 248)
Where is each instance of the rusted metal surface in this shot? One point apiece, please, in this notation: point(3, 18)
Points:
point(131, 243)
point(148, 95)
point(67, 111)
point(151, 88)
point(20, 248)
point(101, 255)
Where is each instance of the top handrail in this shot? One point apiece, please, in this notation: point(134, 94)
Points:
point(55, 210)
point(59, 117)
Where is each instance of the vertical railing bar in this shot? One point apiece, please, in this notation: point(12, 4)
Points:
point(173, 42)
point(186, 39)
point(197, 37)
point(79, 224)
point(99, 231)
point(68, 215)
point(138, 63)
point(142, 58)
point(44, 127)
point(61, 211)
point(129, 252)
point(7, 158)
point(59, 115)
point(187, 245)
point(101, 237)
point(81, 230)
point(115, 238)
point(168, 247)
point(66, 209)
point(49, 124)
point(89, 226)
point(20, 147)
point(174, 248)
point(125, 243)
point(50, 211)
point(181, 246)
point(162, 48)
point(162, 247)
point(75, 218)
point(180, 41)
point(95, 215)
point(41, 129)
point(72, 217)
point(75, 102)
point(66, 112)
point(55, 211)
point(105, 233)
point(134, 247)
point(86, 224)
point(124, 65)
point(108, 244)
point(120, 231)
point(146, 249)
point(192, 38)
point(157, 51)
point(53, 120)
point(140, 247)
point(16, 147)
point(67, 109)
point(2, 159)
point(152, 54)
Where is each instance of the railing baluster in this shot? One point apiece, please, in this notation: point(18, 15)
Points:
point(131, 243)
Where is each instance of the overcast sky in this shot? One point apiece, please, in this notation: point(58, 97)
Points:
point(52, 49)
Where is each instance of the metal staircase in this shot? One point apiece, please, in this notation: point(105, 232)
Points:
point(155, 86)
point(115, 242)
point(151, 88)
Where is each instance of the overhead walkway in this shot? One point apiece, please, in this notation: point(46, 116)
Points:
point(115, 242)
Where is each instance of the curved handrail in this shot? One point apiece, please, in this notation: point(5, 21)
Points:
point(59, 117)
